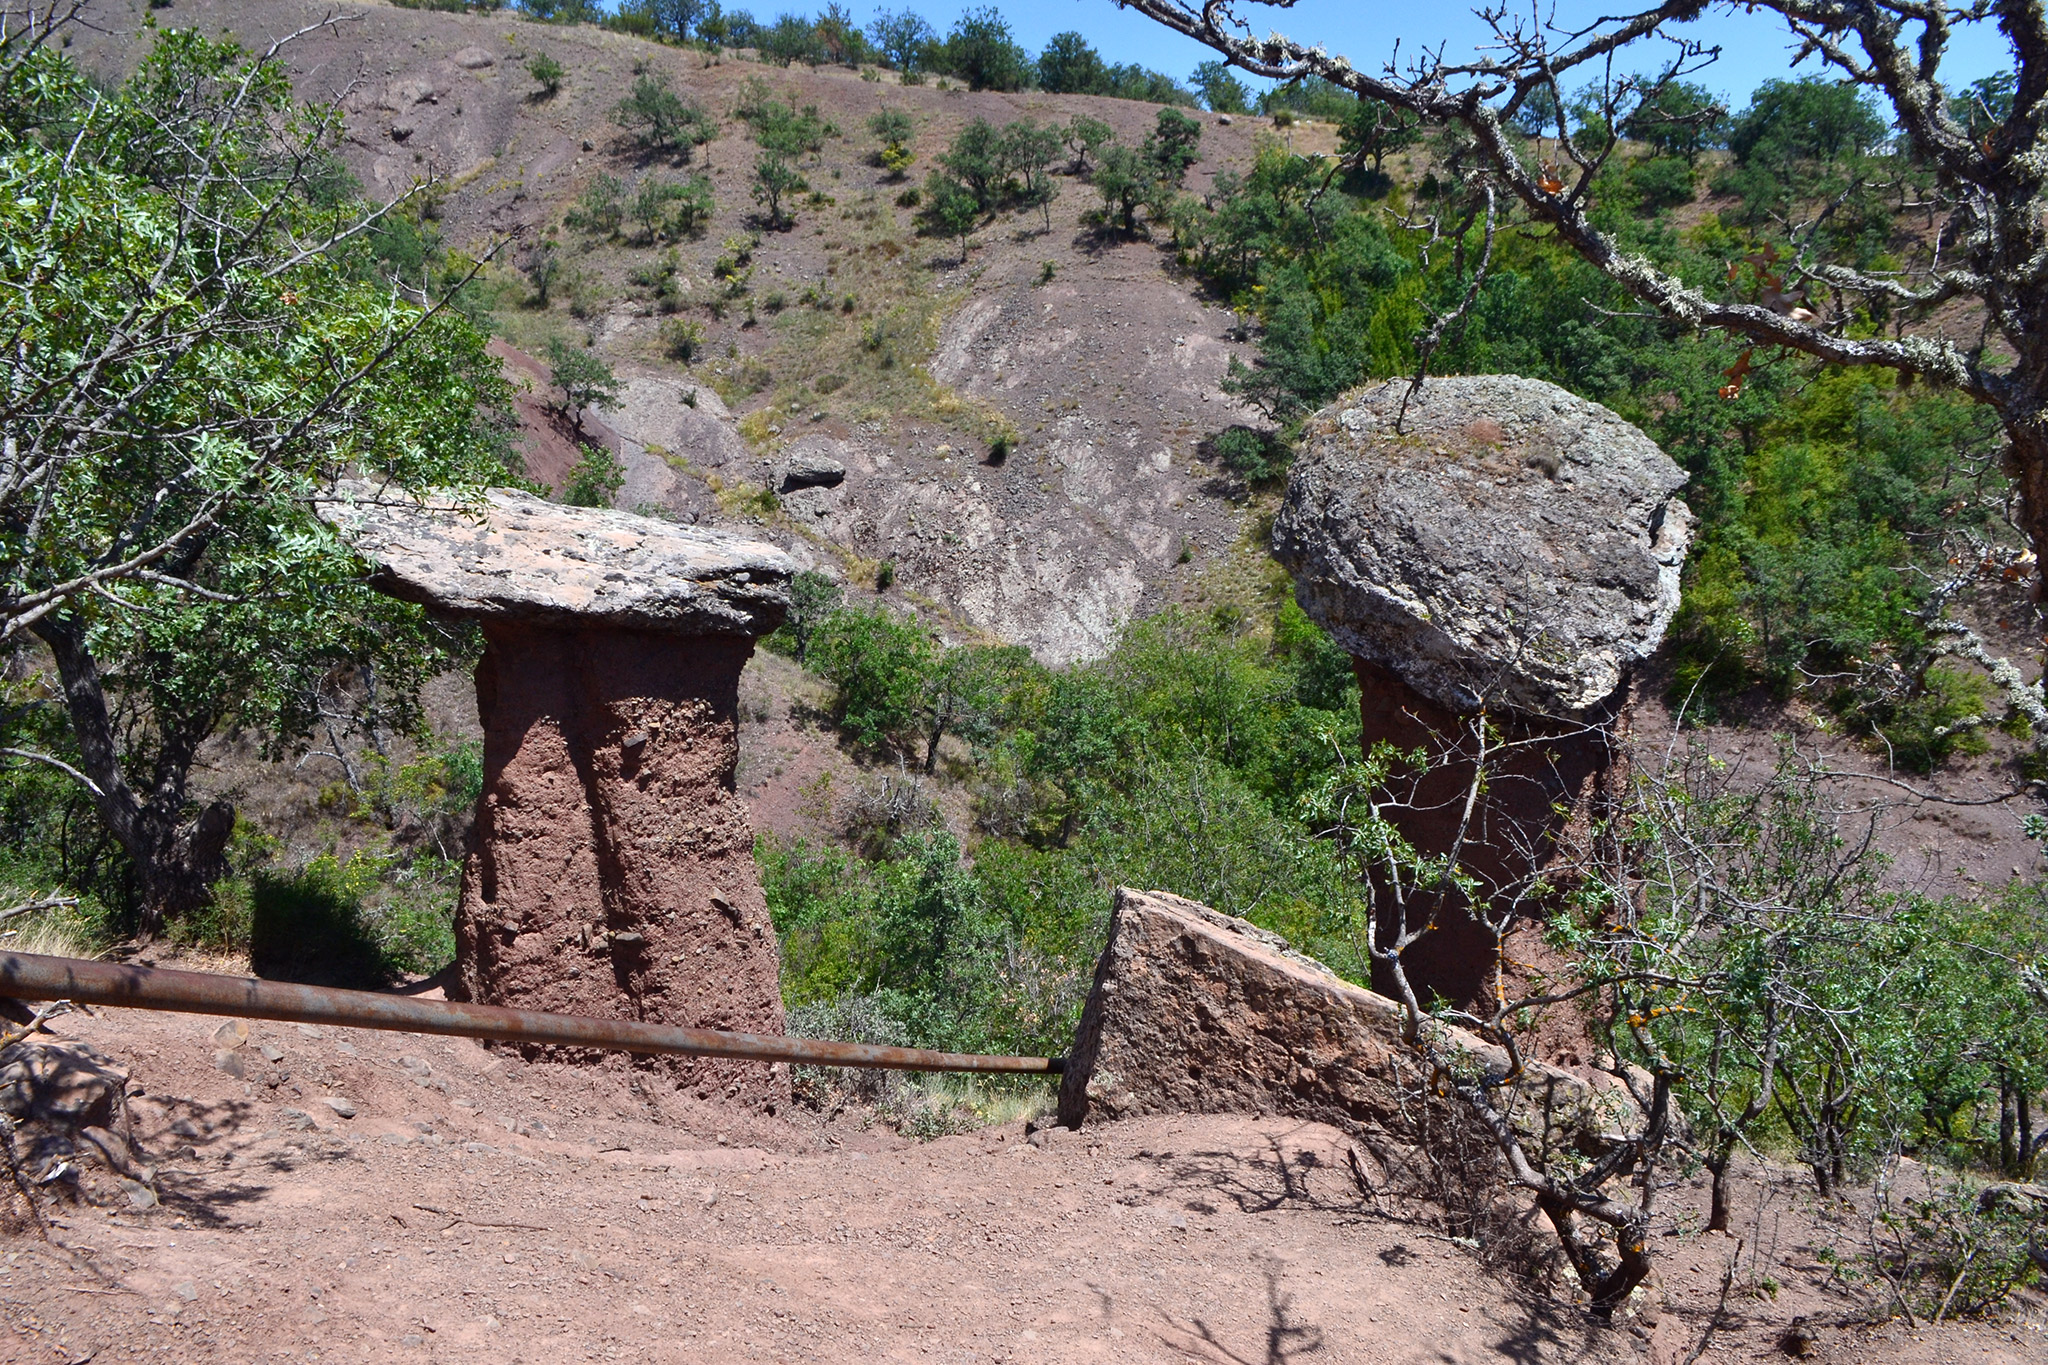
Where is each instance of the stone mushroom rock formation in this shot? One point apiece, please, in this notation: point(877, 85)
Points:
point(1487, 543)
point(1503, 543)
point(611, 872)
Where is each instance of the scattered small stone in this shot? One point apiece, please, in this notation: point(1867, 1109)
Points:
point(298, 1120)
point(140, 1196)
point(412, 1339)
point(393, 1139)
point(345, 1108)
point(473, 59)
point(272, 1052)
point(312, 1030)
point(230, 1061)
point(347, 1047)
point(478, 1148)
point(233, 1033)
point(186, 1290)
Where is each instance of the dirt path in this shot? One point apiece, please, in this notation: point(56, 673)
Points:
point(479, 1208)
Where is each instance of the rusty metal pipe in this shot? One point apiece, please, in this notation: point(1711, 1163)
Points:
point(31, 976)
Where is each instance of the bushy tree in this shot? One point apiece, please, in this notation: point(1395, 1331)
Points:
point(1173, 146)
point(950, 209)
point(582, 376)
point(174, 260)
point(774, 182)
point(1678, 118)
point(599, 210)
point(904, 40)
point(1086, 137)
point(980, 51)
point(548, 74)
point(976, 159)
point(1029, 150)
point(1220, 89)
point(659, 120)
point(595, 479)
point(1069, 65)
point(893, 129)
point(1125, 178)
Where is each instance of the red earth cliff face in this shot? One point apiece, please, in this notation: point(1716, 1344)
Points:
point(612, 872)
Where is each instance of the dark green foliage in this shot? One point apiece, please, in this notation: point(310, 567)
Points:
point(977, 159)
point(659, 120)
point(1312, 96)
point(352, 923)
point(812, 600)
point(1254, 456)
point(581, 375)
point(1220, 90)
point(1086, 137)
point(548, 74)
point(1173, 146)
point(1662, 182)
point(1069, 65)
point(981, 52)
point(1375, 131)
point(903, 40)
point(595, 479)
point(1177, 762)
point(1804, 140)
point(950, 209)
point(1678, 119)
point(1125, 178)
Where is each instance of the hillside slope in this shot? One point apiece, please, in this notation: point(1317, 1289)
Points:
point(1103, 366)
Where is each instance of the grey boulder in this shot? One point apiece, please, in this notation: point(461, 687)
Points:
point(802, 468)
point(1510, 544)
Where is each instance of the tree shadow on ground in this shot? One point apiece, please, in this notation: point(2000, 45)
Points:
point(1286, 1338)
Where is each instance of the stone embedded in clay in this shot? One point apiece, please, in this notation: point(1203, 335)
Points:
point(611, 872)
point(1510, 544)
point(515, 557)
point(1196, 1012)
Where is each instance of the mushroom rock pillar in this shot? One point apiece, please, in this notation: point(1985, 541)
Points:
point(611, 872)
point(1503, 552)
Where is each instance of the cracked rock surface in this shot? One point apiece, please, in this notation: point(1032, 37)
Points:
point(1503, 542)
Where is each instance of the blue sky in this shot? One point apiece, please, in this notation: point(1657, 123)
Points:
point(1755, 47)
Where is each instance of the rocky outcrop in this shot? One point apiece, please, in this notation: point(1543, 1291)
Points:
point(611, 871)
point(1498, 546)
point(1506, 544)
point(1195, 1012)
point(804, 468)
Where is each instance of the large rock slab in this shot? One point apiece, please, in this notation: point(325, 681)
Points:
point(516, 558)
point(1508, 544)
point(1196, 1012)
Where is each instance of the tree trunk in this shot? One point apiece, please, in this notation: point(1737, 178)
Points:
point(175, 863)
point(1718, 1163)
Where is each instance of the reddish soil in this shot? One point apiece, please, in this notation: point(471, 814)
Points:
point(480, 1207)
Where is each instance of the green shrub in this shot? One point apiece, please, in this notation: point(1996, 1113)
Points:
point(595, 479)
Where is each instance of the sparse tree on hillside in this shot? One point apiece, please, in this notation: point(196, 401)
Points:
point(1126, 179)
point(548, 74)
point(1173, 146)
point(1988, 256)
point(582, 376)
point(1221, 91)
point(951, 209)
point(774, 181)
point(812, 599)
point(1030, 150)
point(1086, 137)
point(595, 479)
point(599, 210)
point(1679, 118)
point(976, 160)
point(903, 39)
point(542, 266)
point(659, 120)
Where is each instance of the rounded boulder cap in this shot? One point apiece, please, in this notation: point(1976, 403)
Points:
point(510, 556)
point(1502, 543)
